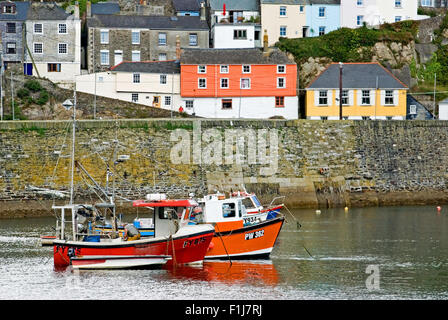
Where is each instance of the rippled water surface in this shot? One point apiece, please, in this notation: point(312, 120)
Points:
point(327, 258)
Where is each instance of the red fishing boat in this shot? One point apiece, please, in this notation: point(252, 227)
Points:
point(175, 236)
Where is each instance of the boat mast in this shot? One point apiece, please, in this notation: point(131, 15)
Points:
point(73, 146)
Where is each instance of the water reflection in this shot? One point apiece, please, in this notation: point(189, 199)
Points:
point(251, 272)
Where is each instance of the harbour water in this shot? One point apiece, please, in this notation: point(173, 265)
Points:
point(365, 253)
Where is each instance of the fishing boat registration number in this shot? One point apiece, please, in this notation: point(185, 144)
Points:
point(254, 235)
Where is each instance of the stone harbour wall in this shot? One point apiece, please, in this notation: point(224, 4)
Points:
point(310, 164)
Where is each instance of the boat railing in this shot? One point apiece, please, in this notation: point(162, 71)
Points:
point(276, 198)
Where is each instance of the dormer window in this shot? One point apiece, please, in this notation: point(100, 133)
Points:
point(9, 8)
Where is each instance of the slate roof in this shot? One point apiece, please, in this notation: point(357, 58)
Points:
point(301, 2)
point(245, 5)
point(105, 8)
point(357, 76)
point(21, 11)
point(233, 56)
point(293, 2)
point(169, 66)
point(46, 11)
point(187, 5)
point(148, 22)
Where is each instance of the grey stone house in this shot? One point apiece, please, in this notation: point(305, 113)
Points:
point(112, 39)
point(12, 20)
point(53, 40)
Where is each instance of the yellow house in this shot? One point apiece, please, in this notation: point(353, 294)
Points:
point(369, 91)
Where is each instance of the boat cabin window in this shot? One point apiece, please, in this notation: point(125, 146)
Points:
point(248, 203)
point(169, 212)
point(228, 210)
point(255, 200)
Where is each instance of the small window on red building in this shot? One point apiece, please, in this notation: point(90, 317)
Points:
point(279, 102)
point(226, 103)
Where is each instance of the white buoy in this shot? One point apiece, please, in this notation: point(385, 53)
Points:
point(317, 211)
point(346, 208)
point(439, 208)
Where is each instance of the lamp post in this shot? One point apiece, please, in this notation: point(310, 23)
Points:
point(340, 90)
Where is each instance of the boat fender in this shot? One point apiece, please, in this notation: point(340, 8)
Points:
point(210, 246)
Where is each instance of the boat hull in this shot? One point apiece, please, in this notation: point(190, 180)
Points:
point(250, 242)
point(118, 262)
point(184, 248)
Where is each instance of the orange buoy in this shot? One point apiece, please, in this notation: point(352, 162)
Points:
point(439, 208)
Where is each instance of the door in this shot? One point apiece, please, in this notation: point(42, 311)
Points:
point(156, 102)
point(28, 69)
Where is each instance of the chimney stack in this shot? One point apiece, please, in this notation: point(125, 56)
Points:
point(178, 48)
point(265, 41)
point(76, 13)
point(202, 11)
point(89, 9)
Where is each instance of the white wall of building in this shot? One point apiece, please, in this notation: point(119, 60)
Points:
point(223, 38)
point(116, 86)
point(443, 110)
point(243, 107)
point(375, 12)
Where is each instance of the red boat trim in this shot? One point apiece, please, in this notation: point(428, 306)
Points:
point(267, 209)
point(164, 203)
point(80, 244)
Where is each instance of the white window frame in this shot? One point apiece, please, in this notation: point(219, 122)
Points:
point(104, 53)
point(280, 67)
point(41, 47)
point(282, 12)
point(242, 81)
point(366, 97)
point(246, 66)
point(104, 36)
point(134, 97)
point(41, 28)
point(189, 104)
point(195, 37)
point(359, 20)
point(162, 55)
point(133, 32)
point(279, 85)
point(164, 38)
point(202, 83)
point(202, 68)
point(167, 101)
point(163, 79)
point(398, 3)
point(59, 28)
point(323, 97)
point(324, 10)
point(136, 77)
point(221, 83)
point(386, 97)
point(59, 48)
point(134, 52)
point(224, 68)
point(283, 31)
